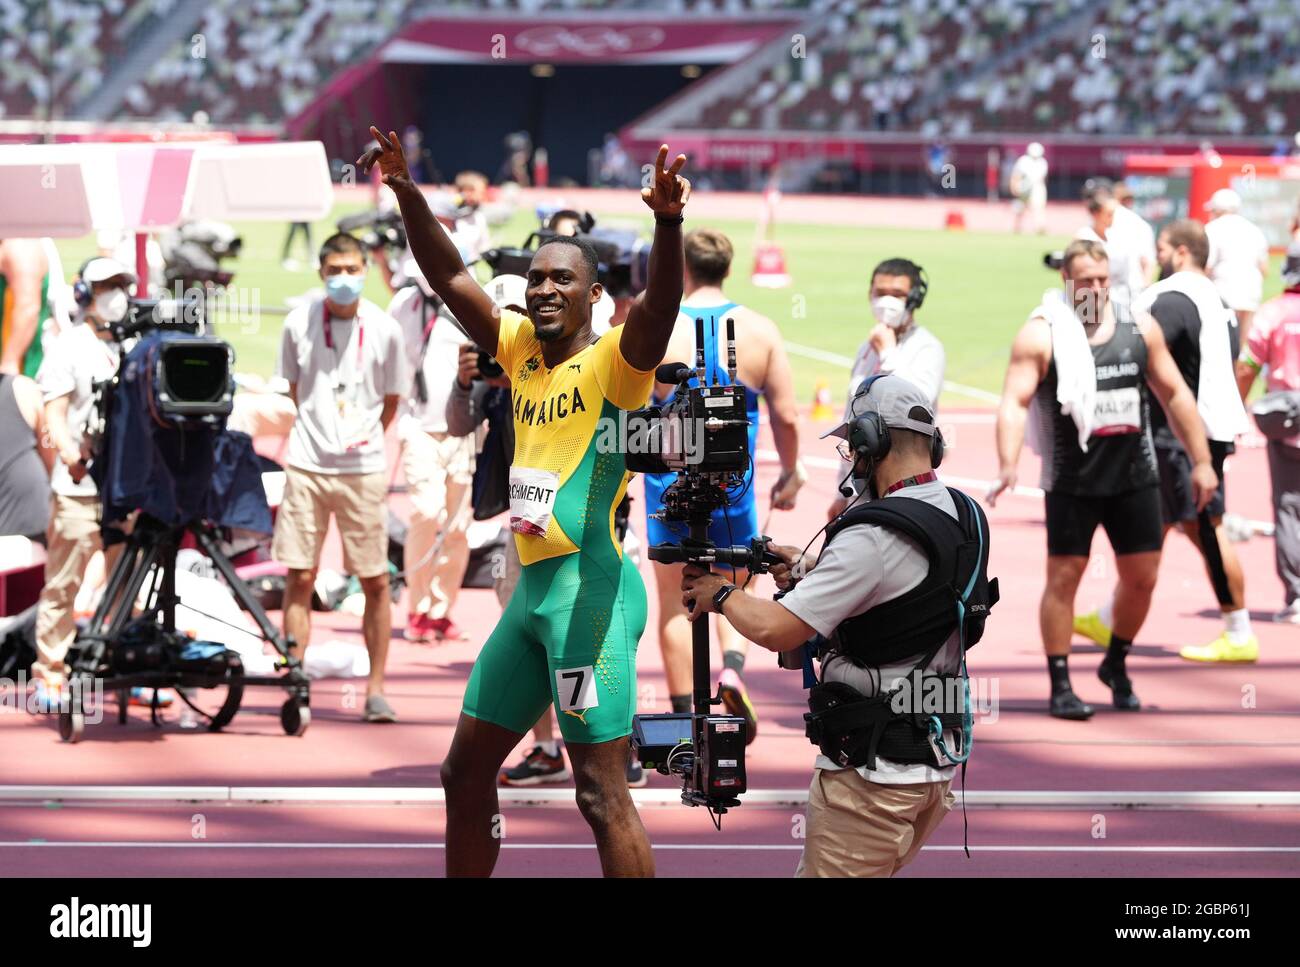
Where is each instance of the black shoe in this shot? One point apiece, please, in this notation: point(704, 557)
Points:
point(1121, 689)
point(537, 768)
point(1067, 705)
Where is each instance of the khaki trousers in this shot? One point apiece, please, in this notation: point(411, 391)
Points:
point(859, 828)
point(73, 539)
point(439, 471)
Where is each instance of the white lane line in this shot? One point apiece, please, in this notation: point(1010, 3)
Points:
point(683, 847)
point(429, 795)
point(846, 362)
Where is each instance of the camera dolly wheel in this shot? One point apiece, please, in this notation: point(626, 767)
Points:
point(72, 725)
point(295, 716)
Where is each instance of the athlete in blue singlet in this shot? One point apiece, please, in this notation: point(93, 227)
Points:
point(763, 369)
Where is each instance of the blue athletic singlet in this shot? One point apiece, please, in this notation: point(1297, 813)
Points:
point(738, 523)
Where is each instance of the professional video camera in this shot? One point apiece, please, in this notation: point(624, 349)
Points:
point(166, 468)
point(193, 253)
point(623, 256)
point(379, 230)
point(702, 435)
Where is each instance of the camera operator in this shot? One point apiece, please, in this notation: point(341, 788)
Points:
point(873, 595)
point(437, 464)
point(82, 355)
point(897, 344)
point(763, 368)
point(343, 359)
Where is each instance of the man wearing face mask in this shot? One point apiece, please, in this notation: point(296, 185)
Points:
point(897, 344)
point(81, 355)
point(1080, 362)
point(437, 465)
point(343, 358)
point(885, 609)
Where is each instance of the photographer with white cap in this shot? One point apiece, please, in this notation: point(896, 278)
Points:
point(883, 596)
point(1238, 257)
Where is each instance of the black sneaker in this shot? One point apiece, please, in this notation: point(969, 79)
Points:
point(1121, 688)
point(537, 768)
point(1067, 705)
point(635, 774)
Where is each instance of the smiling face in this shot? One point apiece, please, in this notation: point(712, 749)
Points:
point(560, 292)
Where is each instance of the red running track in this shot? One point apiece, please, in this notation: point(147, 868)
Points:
point(1227, 728)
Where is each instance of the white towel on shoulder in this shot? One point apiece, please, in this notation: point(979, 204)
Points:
point(1217, 398)
point(1076, 376)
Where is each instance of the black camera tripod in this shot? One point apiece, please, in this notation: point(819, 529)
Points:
point(123, 650)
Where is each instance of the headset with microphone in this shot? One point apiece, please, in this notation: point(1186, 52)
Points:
point(81, 293)
point(869, 437)
point(920, 286)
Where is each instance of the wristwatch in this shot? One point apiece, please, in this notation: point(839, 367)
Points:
point(723, 593)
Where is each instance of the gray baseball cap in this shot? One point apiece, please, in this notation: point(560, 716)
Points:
point(901, 404)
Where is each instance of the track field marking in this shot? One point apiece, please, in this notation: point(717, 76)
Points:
point(647, 798)
point(682, 847)
point(836, 359)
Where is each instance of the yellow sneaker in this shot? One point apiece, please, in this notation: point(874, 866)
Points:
point(1221, 649)
point(1093, 628)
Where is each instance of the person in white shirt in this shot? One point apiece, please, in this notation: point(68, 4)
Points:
point(344, 361)
point(80, 355)
point(1238, 257)
point(438, 467)
point(1029, 188)
point(1129, 241)
point(897, 344)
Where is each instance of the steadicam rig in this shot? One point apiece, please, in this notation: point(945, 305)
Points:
point(702, 435)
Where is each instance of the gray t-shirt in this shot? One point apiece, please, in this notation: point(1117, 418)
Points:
point(341, 390)
point(75, 361)
point(865, 566)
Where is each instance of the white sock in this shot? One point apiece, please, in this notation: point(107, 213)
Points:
point(551, 747)
point(1107, 613)
point(1238, 626)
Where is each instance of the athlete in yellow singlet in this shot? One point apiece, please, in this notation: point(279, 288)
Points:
point(568, 636)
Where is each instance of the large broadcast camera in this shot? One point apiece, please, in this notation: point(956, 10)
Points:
point(702, 435)
point(622, 254)
point(193, 256)
point(379, 230)
point(167, 470)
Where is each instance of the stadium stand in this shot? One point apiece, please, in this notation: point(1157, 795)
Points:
point(1140, 67)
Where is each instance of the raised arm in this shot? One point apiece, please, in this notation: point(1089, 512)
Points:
point(650, 320)
point(432, 247)
point(1030, 355)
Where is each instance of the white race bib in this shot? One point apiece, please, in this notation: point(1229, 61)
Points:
point(532, 498)
point(1118, 411)
point(576, 688)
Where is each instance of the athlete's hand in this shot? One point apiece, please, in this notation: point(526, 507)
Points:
point(698, 588)
point(392, 159)
point(1204, 483)
point(787, 486)
point(667, 191)
point(1006, 481)
point(792, 568)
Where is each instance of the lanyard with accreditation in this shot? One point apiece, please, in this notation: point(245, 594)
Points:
point(352, 434)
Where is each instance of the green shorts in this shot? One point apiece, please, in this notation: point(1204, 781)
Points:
point(567, 638)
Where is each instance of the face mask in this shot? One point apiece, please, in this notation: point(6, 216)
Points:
point(889, 310)
point(111, 306)
point(343, 289)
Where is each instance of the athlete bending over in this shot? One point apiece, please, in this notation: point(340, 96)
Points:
point(569, 633)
